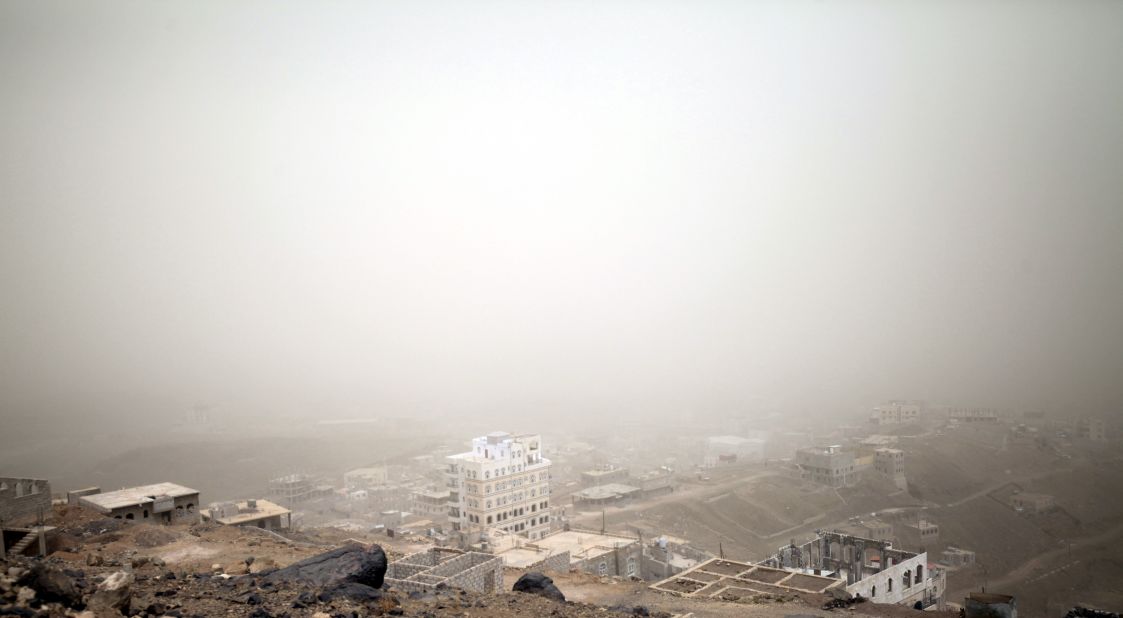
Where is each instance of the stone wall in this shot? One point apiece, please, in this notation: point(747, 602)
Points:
point(22, 499)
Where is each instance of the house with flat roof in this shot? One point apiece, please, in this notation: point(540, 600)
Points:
point(256, 513)
point(586, 551)
point(603, 495)
point(163, 502)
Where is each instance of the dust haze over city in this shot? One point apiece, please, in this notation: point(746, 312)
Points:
point(245, 241)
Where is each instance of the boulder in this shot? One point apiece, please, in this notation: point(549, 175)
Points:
point(351, 564)
point(351, 591)
point(52, 585)
point(113, 594)
point(540, 584)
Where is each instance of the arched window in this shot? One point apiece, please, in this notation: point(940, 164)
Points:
point(873, 591)
point(906, 579)
point(602, 568)
point(631, 567)
point(890, 581)
point(919, 573)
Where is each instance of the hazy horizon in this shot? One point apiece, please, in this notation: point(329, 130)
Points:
point(642, 209)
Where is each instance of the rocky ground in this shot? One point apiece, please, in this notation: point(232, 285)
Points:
point(101, 568)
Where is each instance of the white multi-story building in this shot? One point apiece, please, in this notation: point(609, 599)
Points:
point(896, 412)
point(503, 483)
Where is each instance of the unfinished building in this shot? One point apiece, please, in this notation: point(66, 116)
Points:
point(22, 499)
point(728, 580)
point(436, 567)
point(871, 568)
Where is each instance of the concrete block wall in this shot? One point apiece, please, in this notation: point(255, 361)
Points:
point(556, 562)
point(400, 570)
point(474, 571)
point(486, 577)
point(23, 498)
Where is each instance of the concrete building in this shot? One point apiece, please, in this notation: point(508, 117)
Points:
point(871, 568)
point(254, 513)
point(828, 465)
point(604, 495)
point(502, 483)
point(1033, 503)
point(22, 499)
point(162, 502)
point(972, 414)
point(890, 462)
point(291, 489)
point(897, 412)
point(365, 478)
point(603, 476)
point(1093, 429)
point(870, 528)
point(586, 551)
point(654, 482)
point(956, 557)
point(430, 503)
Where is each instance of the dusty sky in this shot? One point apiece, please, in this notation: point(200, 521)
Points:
point(345, 208)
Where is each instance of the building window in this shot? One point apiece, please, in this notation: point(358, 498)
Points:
point(602, 568)
point(890, 581)
point(631, 567)
point(919, 574)
point(489, 519)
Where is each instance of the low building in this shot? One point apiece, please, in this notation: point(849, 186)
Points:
point(254, 513)
point(654, 482)
point(603, 476)
point(827, 465)
point(22, 498)
point(604, 495)
point(163, 502)
point(956, 557)
point(1033, 503)
point(972, 414)
point(870, 529)
point(589, 552)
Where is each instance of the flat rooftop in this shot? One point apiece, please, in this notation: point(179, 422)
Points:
point(607, 491)
point(580, 545)
point(134, 496)
point(263, 510)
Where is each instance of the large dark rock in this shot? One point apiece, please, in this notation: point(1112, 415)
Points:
point(537, 583)
point(52, 584)
point(350, 590)
point(350, 564)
